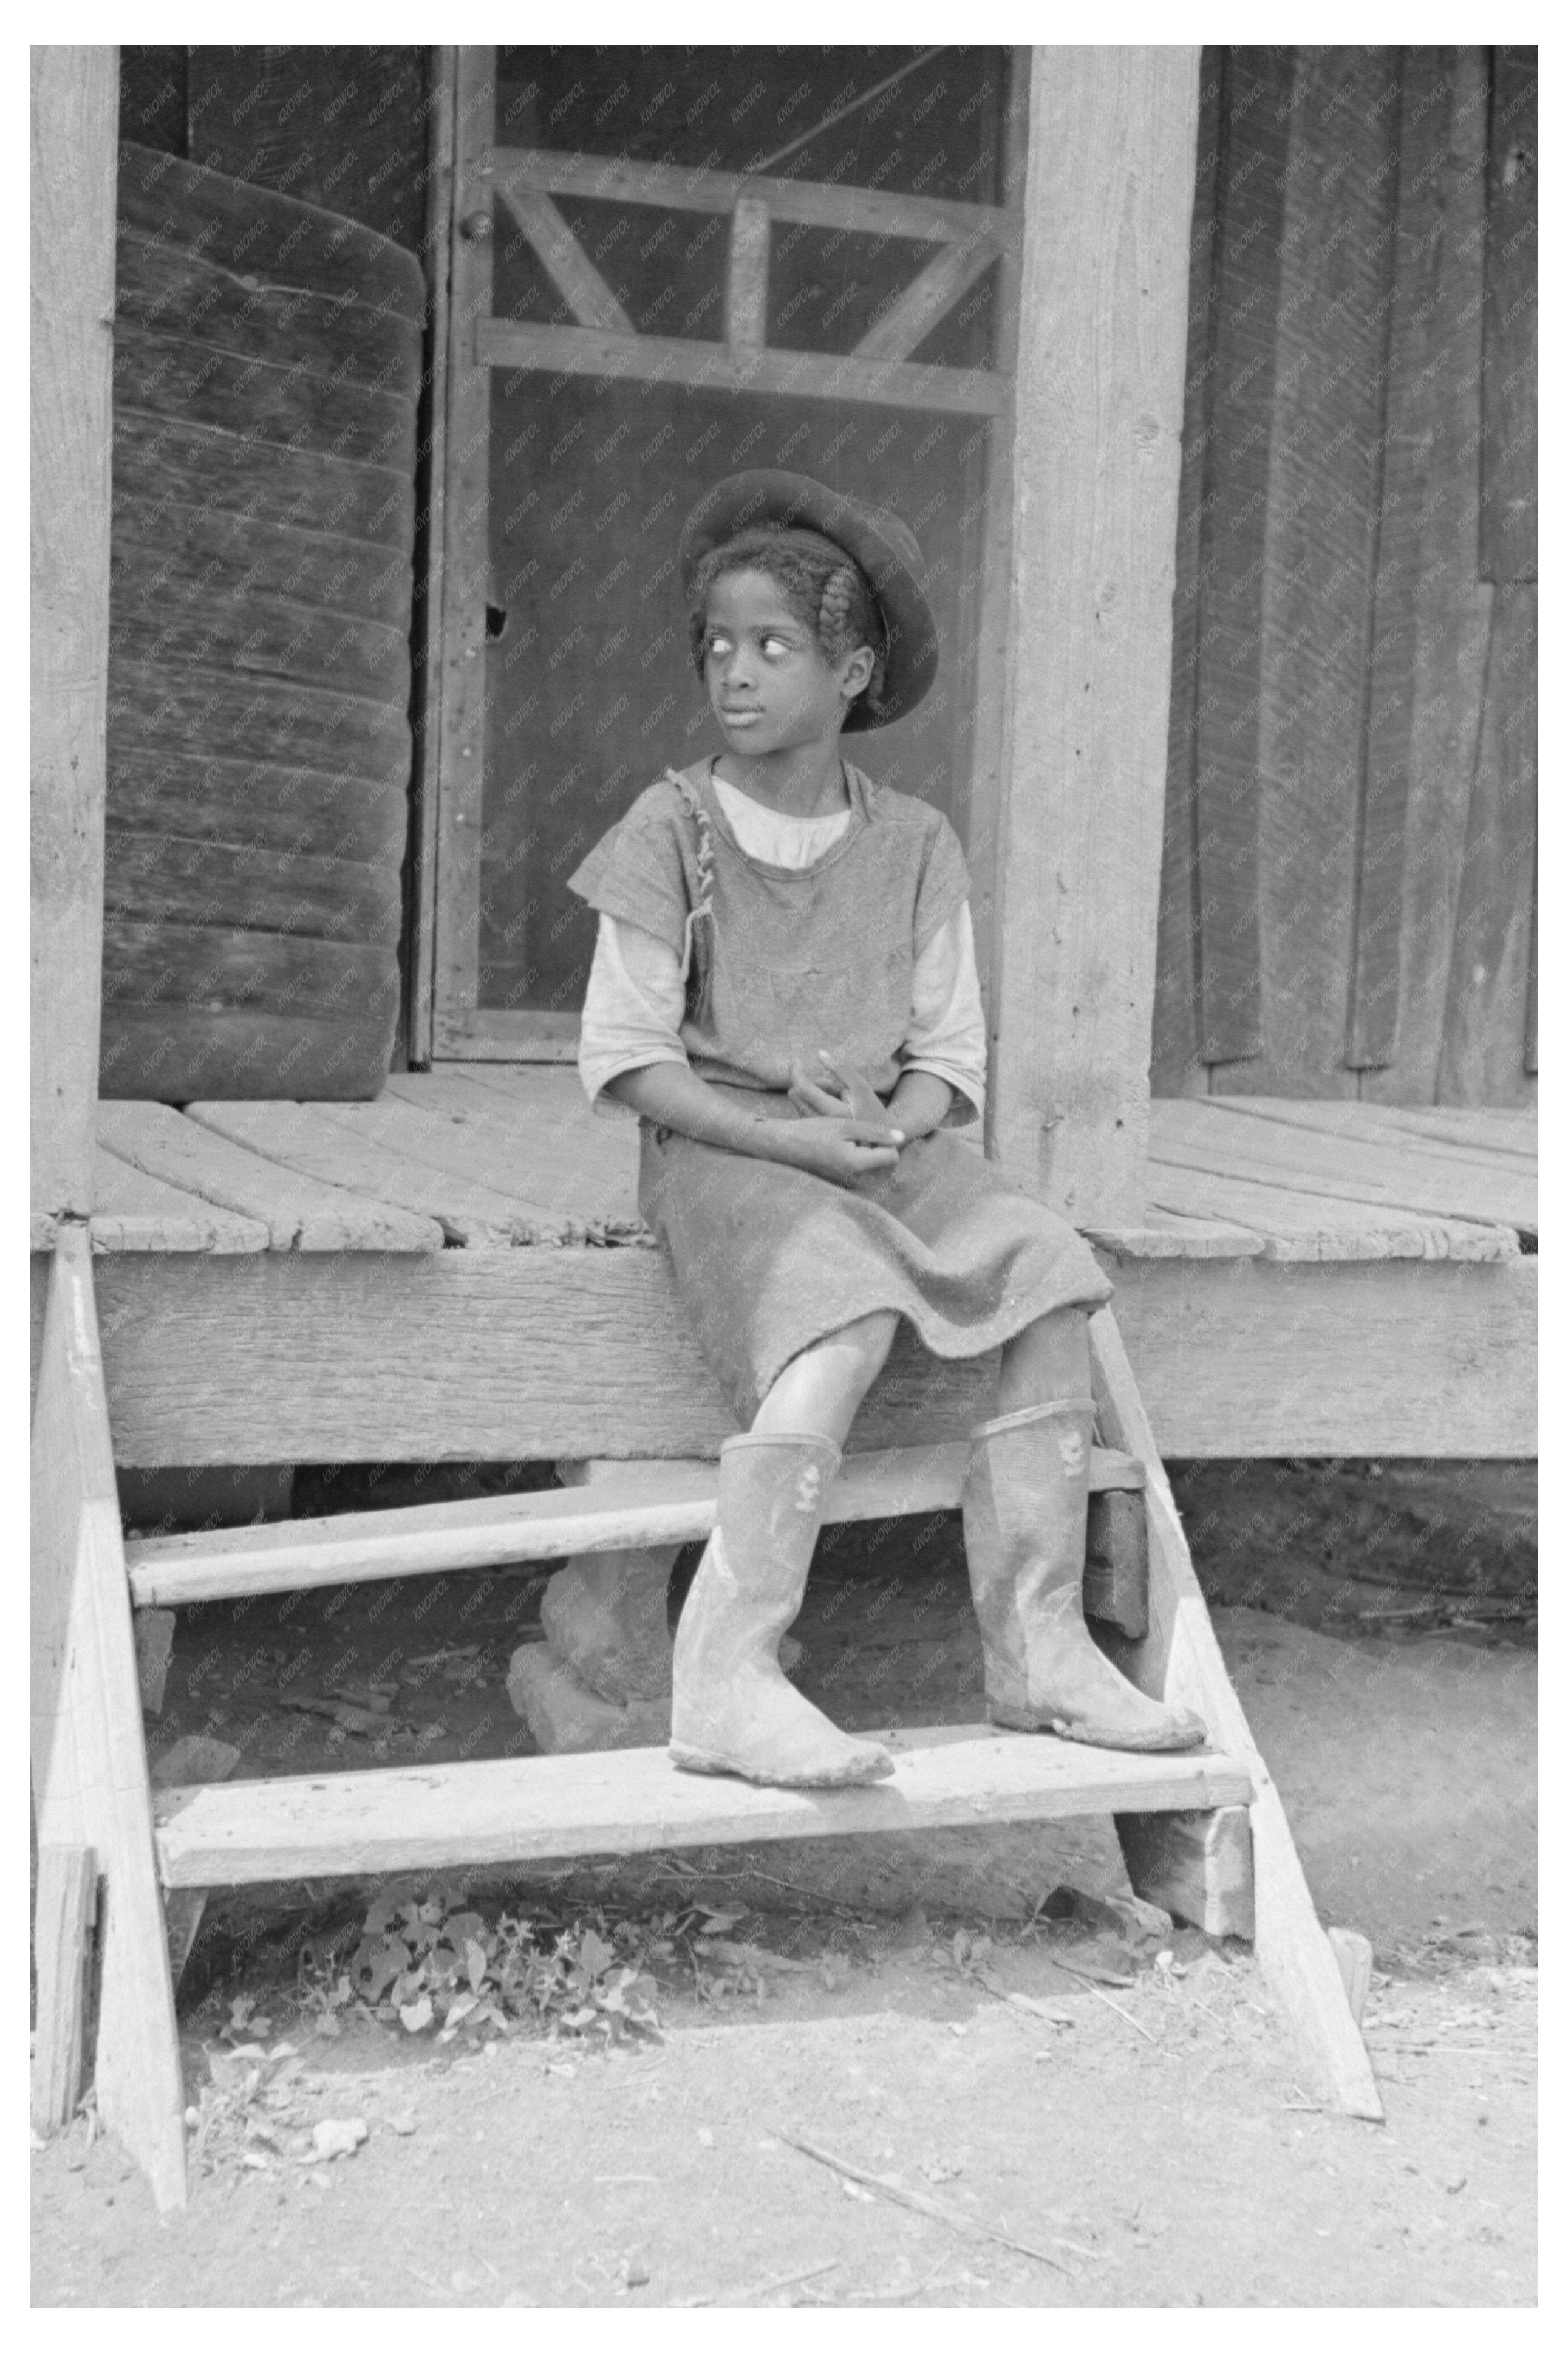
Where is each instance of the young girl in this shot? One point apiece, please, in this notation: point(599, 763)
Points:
point(783, 991)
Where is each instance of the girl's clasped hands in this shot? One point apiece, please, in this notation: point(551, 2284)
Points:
point(843, 1131)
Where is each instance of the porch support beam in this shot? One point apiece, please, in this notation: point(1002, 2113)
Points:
point(1101, 358)
point(75, 107)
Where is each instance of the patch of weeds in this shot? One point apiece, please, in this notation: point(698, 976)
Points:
point(427, 1960)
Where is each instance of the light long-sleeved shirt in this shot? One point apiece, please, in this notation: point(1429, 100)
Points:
point(637, 992)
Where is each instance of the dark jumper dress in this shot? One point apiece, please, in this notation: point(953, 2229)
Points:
point(780, 962)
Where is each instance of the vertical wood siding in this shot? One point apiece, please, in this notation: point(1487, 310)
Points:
point(1348, 905)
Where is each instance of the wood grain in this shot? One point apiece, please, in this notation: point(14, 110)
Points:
point(746, 276)
point(211, 710)
point(1255, 131)
point(1175, 1066)
point(1197, 1866)
point(633, 1801)
point(1179, 1660)
point(249, 228)
point(1297, 1225)
point(631, 1506)
point(677, 187)
point(1322, 491)
point(430, 596)
point(1347, 1167)
point(161, 877)
point(164, 286)
point(162, 544)
point(588, 298)
point(135, 1211)
point(1096, 462)
point(210, 969)
point(89, 1768)
point(1509, 426)
point(674, 359)
point(300, 1137)
point(459, 1355)
point(299, 1211)
point(241, 476)
point(74, 95)
point(1404, 484)
point(1453, 611)
point(904, 325)
point(1483, 1052)
point(168, 1054)
point(63, 1909)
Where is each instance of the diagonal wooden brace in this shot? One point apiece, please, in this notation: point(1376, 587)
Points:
point(90, 1760)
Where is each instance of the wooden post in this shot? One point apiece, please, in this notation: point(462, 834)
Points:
point(75, 108)
point(1101, 359)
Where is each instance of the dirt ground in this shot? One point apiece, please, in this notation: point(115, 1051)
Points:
point(1091, 2115)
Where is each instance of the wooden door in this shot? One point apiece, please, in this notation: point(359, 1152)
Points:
point(665, 266)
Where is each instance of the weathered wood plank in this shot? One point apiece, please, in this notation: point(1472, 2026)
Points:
point(673, 359)
point(746, 277)
point(554, 1150)
point(135, 1211)
point(235, 627)
point(1163, 1234)
point(588, 297)
point(1097, 456)
point(74, 95)
point(155, 789)
point(677, 187)
point(1197, 1866)
point(170, 1055)
point(267, 401)
point(472, 1154)
point(1346, 1167)
point(1296, 1224)
point(1509, 428)
point(1322, 491)
point(341, 128)
point(1483, 1054)
point(162, 877)
point(430, 599)
point(631, 1504)
point(1180, 1660)
point(211, 710)
point(458, 812)
point(299, 1211)
point(1175, 1065)
point(1460, 1179)
point(1256, 119)
point(904, 325)
point(163, 454)
point(63, 1909)
point(253, 230)
point(192, 964)
point(459, 1355)
point(166, 287)
point(301, 1136)
point(633, 1801)
point(1452, 611)
point(1400, 532)
point(163, 546)
point(90, 1769)
point(1482, 1138)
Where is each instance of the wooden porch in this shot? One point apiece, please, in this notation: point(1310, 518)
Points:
point(457, 1269)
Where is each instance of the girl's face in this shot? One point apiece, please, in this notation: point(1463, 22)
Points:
point(771, 684)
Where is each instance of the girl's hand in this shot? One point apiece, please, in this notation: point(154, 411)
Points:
point(837, 1091)
point(837, 1148)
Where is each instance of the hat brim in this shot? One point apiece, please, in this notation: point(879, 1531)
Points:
point(885, 549)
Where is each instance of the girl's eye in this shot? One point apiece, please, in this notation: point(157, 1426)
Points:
point(774, 646)
point(718, 643)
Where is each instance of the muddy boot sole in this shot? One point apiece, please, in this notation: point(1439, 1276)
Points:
point(853, 1775)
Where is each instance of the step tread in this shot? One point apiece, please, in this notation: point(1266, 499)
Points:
point(654, 1502)
point(632, 1800)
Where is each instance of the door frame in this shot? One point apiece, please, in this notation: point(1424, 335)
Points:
point(469, 177)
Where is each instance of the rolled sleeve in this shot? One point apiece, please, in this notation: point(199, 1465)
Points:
point(633, 1010)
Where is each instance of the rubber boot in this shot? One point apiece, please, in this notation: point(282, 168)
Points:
point(1026, 1526)
point(606, 1614)
point(733, 1711)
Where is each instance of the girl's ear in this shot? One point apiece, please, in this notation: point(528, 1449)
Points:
point(855, 671)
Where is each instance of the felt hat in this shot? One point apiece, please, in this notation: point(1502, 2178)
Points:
point(885, 549)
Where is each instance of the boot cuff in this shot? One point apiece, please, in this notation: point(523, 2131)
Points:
point(787, 1438)
point(1033, 1413)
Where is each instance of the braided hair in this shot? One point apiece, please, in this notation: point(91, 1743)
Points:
point(823, 587)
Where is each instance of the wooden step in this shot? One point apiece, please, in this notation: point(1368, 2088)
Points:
point(633, 1801)
point(653, 1503)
